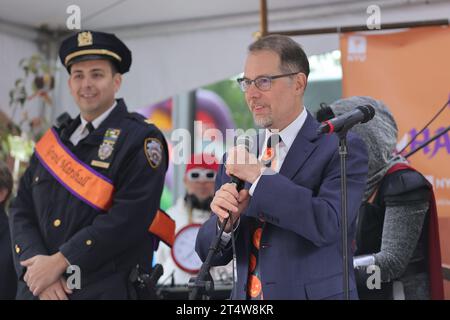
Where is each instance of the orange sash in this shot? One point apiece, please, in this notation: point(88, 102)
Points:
point(88, 185)
point(77, 177)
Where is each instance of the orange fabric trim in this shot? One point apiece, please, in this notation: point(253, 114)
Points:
point(257, 238)
point(163, 227)
point(77, 177)
point(254, 286)
point(268, 155)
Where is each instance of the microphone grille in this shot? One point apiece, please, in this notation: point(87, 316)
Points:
point(325, 113)
point(244, 140)
point(368, 111)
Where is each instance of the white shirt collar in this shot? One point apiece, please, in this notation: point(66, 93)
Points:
point(98, 121)
point(289, 133)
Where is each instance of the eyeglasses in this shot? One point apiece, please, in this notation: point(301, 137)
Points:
point(263, 83)
point(201, 175)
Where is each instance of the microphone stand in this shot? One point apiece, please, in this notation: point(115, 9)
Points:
point(344, 215)
point(203, 285)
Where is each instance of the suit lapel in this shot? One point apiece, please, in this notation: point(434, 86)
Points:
point(301, 149)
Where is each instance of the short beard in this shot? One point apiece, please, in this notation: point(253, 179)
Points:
point(265, 122)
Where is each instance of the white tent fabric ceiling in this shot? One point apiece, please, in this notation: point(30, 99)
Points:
point(179, 45)
point(123, 13)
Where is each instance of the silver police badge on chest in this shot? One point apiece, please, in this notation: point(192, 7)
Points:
point(105, 151)
point(107, 147)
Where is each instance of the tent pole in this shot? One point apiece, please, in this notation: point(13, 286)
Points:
point(387, 26)
point(263, 18)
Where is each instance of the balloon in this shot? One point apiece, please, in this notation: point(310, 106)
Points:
point(210, 109)
point(207, 102)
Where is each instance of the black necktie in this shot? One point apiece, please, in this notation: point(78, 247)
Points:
point(273, 140)
point(90, 127)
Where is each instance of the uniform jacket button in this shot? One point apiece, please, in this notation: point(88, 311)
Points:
point(17, 249)
point(88, 242)
point(56, 223)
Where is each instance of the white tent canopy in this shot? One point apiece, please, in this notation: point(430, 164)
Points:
point(180, 45)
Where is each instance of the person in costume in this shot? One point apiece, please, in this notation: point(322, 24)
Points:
point(397, 224)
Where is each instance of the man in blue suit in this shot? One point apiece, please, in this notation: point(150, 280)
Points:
point(287, 220)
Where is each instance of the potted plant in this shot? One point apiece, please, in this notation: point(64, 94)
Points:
point(17, 140)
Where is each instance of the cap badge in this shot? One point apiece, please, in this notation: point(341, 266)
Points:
point(85, 39)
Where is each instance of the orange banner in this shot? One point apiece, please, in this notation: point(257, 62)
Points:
point(409, 70)
point(81, 180)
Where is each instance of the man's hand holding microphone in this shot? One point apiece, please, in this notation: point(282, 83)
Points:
point(231, 198)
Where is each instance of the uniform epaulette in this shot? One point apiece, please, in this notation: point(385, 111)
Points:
point(140, 119)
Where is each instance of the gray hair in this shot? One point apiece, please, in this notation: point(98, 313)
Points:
point(292, 56)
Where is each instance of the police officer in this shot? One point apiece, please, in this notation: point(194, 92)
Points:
point(91, 192)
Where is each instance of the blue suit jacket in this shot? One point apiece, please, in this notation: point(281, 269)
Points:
point(300, 252)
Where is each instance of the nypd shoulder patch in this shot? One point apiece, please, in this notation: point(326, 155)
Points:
point(153, 151)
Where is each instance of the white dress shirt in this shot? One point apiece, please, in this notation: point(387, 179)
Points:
point(288, 136)
point(82, 132)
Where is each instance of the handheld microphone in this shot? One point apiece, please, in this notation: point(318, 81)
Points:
point(361, 114)
point(241, 141)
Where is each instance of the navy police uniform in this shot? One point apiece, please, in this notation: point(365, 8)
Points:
point(105, 245)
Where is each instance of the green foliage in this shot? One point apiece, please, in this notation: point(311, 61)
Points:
point(37, 82)
point(20, 147)
point(7, 129)
point(41, 81)
point(229, 91)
